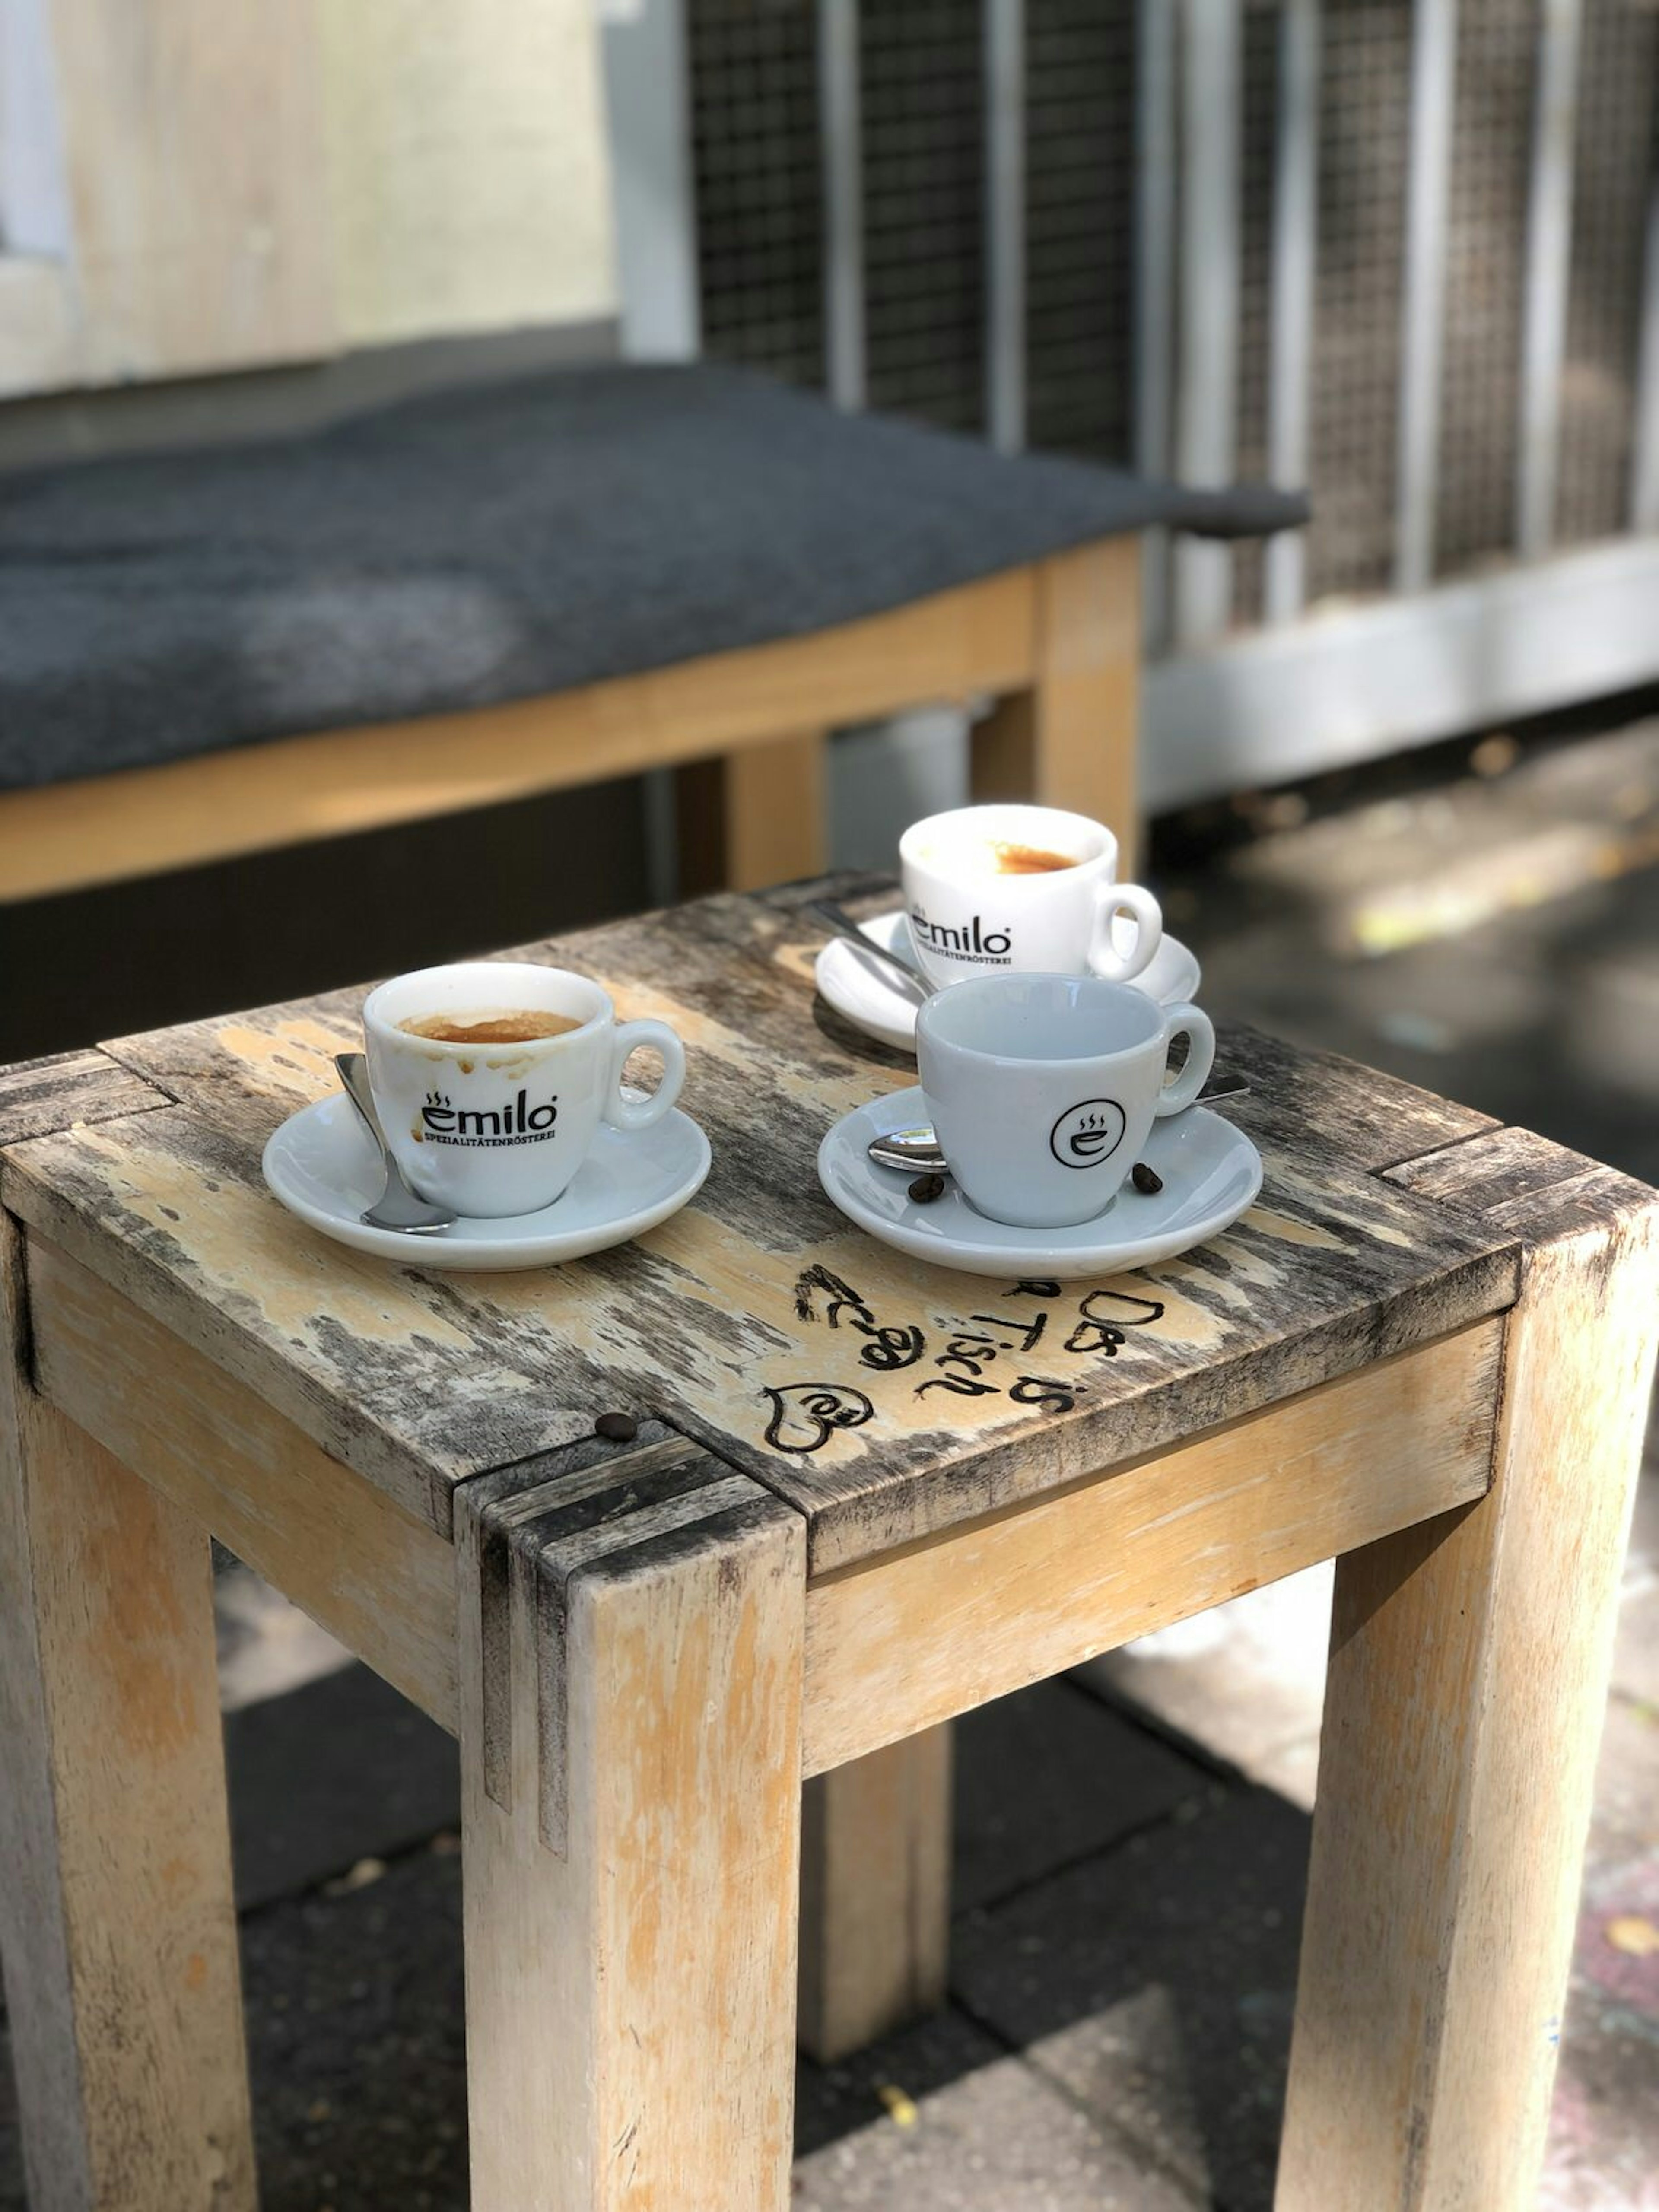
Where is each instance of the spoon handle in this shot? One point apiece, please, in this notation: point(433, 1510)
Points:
point(352, 1071)
point(843, 923)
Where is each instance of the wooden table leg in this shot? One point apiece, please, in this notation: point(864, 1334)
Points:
point(116, 1920)
point(1469, 1669)
point(755, 818)
point(1070, 740)
point(631, 1696)
point(875, 1903)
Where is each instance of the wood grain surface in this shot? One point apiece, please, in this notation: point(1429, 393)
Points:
point(1470, 1657)
point(117, 1918)
point(374, 1576)
point(875, 1895)
point(67, 1090)
point(883, 1398)
point(546, 1522)
point(935, 1628)
point(630, 1996)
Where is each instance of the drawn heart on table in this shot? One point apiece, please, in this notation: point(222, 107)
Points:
point(805, 1415)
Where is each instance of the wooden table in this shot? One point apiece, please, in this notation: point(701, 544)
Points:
point(863, 1496)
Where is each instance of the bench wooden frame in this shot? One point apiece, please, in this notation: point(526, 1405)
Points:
point(1055, 644)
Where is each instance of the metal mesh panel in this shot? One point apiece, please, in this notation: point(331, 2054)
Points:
point(1485, 256)
point(1260, 90)
point(756, 155)
point(1080, 224)
point(924, 206)
point(1615, 153)
point(1363, 150)
point(759, 198)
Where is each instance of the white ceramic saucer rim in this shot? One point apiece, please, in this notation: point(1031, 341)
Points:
point(885, 1014)
point(1066, 1255)
point(499, 1250)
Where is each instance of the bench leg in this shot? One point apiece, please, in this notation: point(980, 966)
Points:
point(875, 1894)
point(1070, 739)
point(1469, 1665)
point(755, 818)
point(630, 1994)
point(116, 1919)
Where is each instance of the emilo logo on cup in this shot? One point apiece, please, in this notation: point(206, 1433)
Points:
point(966, 940)
point(515, 1123)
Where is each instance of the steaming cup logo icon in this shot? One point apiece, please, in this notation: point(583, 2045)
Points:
point(1086, 1134)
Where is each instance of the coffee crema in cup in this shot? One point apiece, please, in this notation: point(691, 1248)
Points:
point(1012, 860)
point(513, 1025)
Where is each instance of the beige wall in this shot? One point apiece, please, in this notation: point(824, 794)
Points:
point(255, 181)
point(467, 177)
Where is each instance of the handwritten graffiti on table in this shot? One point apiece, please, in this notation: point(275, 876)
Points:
point(1017, 1353)
point(885, 1350)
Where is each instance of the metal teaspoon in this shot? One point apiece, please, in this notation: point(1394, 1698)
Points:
point(397, 1206)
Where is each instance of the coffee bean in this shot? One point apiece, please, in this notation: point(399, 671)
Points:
point(926, 1188)
point(1144, 1179)
point(617, 1428)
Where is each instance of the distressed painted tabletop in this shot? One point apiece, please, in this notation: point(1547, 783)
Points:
point(884, 1398)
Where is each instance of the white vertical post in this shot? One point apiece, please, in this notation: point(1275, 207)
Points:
point(1290, 304)
point(1644, 485)
point(1207, 398)
point(1549, 247)
point(648, 108)
point(34, 207)
point(648, 97)
point(1005, 222)
point(1154, 286)
point(1434, 71)
point(842, 138)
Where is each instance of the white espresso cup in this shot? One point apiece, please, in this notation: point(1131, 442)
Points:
point(492, 1129)
point(971, 914)
point(1042, 1088)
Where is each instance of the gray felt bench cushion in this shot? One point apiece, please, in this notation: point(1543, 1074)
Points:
point(472, 547)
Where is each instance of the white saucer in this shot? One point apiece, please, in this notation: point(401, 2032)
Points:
point(1211, 1172)
point(864, 989)
point(323, 1166)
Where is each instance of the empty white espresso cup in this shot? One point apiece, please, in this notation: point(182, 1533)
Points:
point(970, 916)
point(497, 1129)
point(1042, 1088)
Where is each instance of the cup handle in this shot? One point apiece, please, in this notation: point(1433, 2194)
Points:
point(1195, 1025)
point(640, 1113)
point(1136, 901)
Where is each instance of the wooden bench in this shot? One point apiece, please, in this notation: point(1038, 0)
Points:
point(1425, 1351)
point(522, 587)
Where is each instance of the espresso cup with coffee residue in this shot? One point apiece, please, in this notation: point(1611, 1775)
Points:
point(1021, 889)
point(493, 1078)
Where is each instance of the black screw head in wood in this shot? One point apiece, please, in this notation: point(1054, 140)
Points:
point(1145, 1179)
point(617, 1428)
point(926, 1188)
